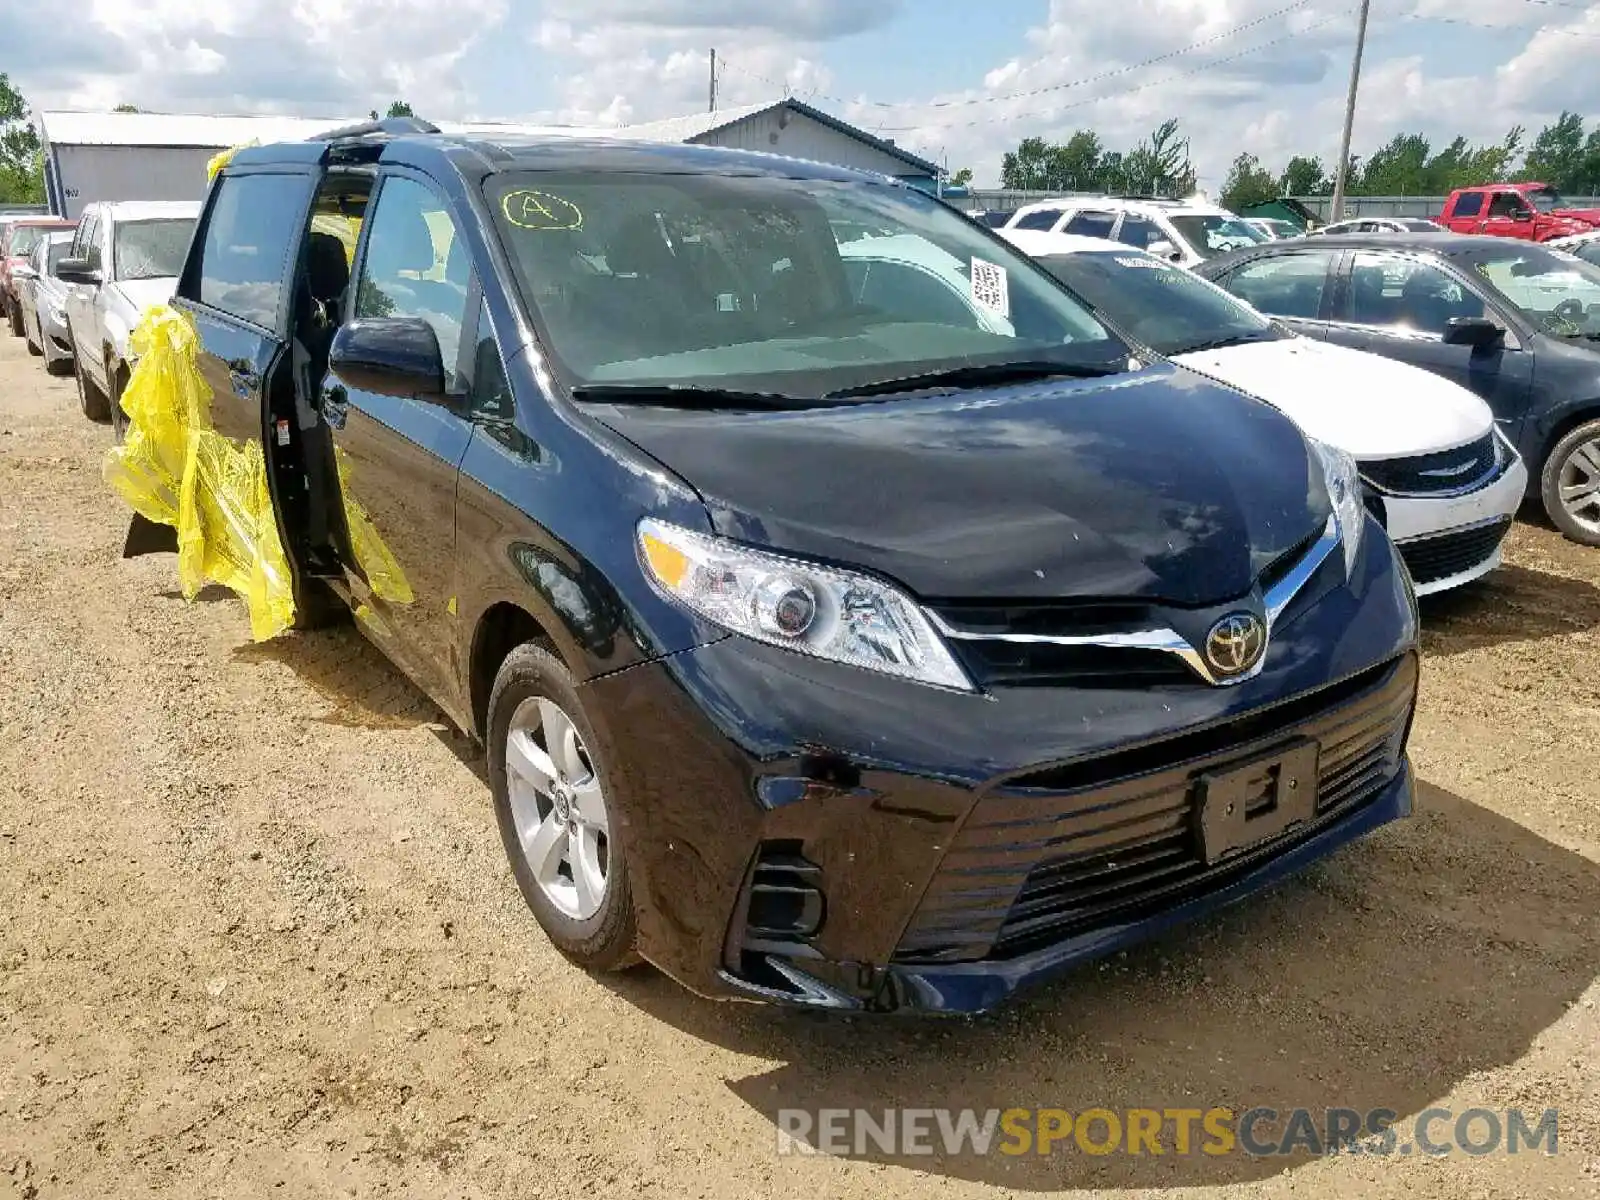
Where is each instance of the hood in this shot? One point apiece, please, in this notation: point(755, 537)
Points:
point(1371, 406)
point(141, 294)
point(1588, 216)
point(1159, 485)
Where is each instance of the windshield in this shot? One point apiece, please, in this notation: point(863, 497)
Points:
point(152, 249)
point(1211, 235)
point(792, 288)
point(1546, 199)
point(24, 238)
point(1167, 308)
point(1557, 291)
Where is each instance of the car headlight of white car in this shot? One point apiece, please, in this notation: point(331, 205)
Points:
point(1343, 481)
point(825, 612)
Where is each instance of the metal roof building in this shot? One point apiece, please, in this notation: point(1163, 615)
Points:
point(796, 129)
point(162, 156)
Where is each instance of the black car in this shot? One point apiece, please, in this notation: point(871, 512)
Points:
point(1517, 323)
point(831, 644)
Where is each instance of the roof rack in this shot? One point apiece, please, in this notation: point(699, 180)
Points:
point(389, 127)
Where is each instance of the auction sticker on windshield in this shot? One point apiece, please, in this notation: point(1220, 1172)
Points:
point(989, 288)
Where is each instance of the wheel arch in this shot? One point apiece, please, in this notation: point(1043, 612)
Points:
point(501, 628)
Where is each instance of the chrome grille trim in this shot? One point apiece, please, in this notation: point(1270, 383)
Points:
point(1170, 641)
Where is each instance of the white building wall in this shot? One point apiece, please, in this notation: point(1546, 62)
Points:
point(90, 173)
point(782, 131)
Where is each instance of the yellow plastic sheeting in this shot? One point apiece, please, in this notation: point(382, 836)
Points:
point(222, 158)
point(175, 469)
point(375, 560)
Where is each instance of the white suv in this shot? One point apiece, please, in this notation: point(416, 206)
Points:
point(1186, 232)
point(125, 257)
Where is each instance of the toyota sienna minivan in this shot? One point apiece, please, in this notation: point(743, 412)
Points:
point(831, 642)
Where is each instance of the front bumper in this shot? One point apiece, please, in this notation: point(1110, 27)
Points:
point(1447, 541)
point(57, 340)
point(748, 778)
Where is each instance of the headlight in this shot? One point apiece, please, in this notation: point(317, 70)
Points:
point(1343, 480)
point(811, 609)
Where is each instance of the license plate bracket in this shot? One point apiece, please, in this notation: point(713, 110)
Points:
point(1265, 797)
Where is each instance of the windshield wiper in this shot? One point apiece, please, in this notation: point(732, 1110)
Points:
point(1233, 339)
point(976, 376)
point(685, 395)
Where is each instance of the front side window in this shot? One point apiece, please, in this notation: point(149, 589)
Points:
point(1210, 235)
point(54, 253)
point(256, 224)
point(1407, 294)
point(1284, 285)
point(1169, 309)
point(742, 283)
point(1559, 292)
point(1138, 231)
point(415, 266)
point(152, 249)
point(1091, 224)
point(87, 247)
point(1505, 204)
point(1469, 204)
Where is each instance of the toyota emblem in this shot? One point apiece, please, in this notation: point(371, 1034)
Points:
point(1236, 643)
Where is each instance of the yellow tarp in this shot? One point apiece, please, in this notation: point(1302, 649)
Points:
point(175, 469)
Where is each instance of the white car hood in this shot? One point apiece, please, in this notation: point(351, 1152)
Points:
point(141, 294)
point(1368, 405)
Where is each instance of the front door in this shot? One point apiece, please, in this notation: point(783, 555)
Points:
point(1399, 306)
point(80, 299)
point(398, 458)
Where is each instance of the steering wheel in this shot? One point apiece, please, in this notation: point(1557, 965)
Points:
point(1570, 310)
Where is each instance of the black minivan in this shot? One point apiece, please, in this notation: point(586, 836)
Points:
point(832, 643)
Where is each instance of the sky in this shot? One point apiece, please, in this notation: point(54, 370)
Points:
point(958, 81)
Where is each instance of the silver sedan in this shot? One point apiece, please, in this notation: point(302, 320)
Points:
point(43, 300)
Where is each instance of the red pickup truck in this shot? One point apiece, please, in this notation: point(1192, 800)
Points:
point(1532, 211)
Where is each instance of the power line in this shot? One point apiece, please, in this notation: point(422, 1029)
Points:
point(1541, 30)
point(968, 101)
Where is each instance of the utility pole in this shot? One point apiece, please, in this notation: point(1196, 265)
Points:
point(713, 107)
point(1337, 210)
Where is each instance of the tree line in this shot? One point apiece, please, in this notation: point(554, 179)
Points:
point(1564, 154)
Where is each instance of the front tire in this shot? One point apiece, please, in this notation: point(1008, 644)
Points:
point(1569, 485)
point(33, 347)
point(558, 819)
point(91, 399)
point(119, 385)
point(15, 316)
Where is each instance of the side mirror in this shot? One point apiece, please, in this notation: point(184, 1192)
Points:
point(1472, 331)
point(1162, 248)
point(77, 270)
point(392, 356)
point(1522, 214)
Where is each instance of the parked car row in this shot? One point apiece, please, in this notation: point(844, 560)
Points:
point(74, 291)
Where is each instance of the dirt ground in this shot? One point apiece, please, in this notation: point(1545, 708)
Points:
point(259, 937)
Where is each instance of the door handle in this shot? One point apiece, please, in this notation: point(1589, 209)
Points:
point(335, 406)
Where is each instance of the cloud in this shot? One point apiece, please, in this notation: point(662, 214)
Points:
point(809, 20)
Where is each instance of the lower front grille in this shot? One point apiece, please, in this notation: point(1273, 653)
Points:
point(1032, 867)
point(1431, 559)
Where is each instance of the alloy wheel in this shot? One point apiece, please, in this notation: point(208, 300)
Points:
point(1579, 484)
point(558, 808)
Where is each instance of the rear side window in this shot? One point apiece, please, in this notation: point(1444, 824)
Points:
point(254, 227)
point(1044, 218)
point(1283, 285)
point(1138, 231)
point(1469, 204)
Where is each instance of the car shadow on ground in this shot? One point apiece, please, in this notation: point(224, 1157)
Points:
point(1380, 978)
point(1510, 604)
point(362, 689)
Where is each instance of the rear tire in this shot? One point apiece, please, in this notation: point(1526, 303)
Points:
point(589, 919)
point(1569, 485)
point(91, 399)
